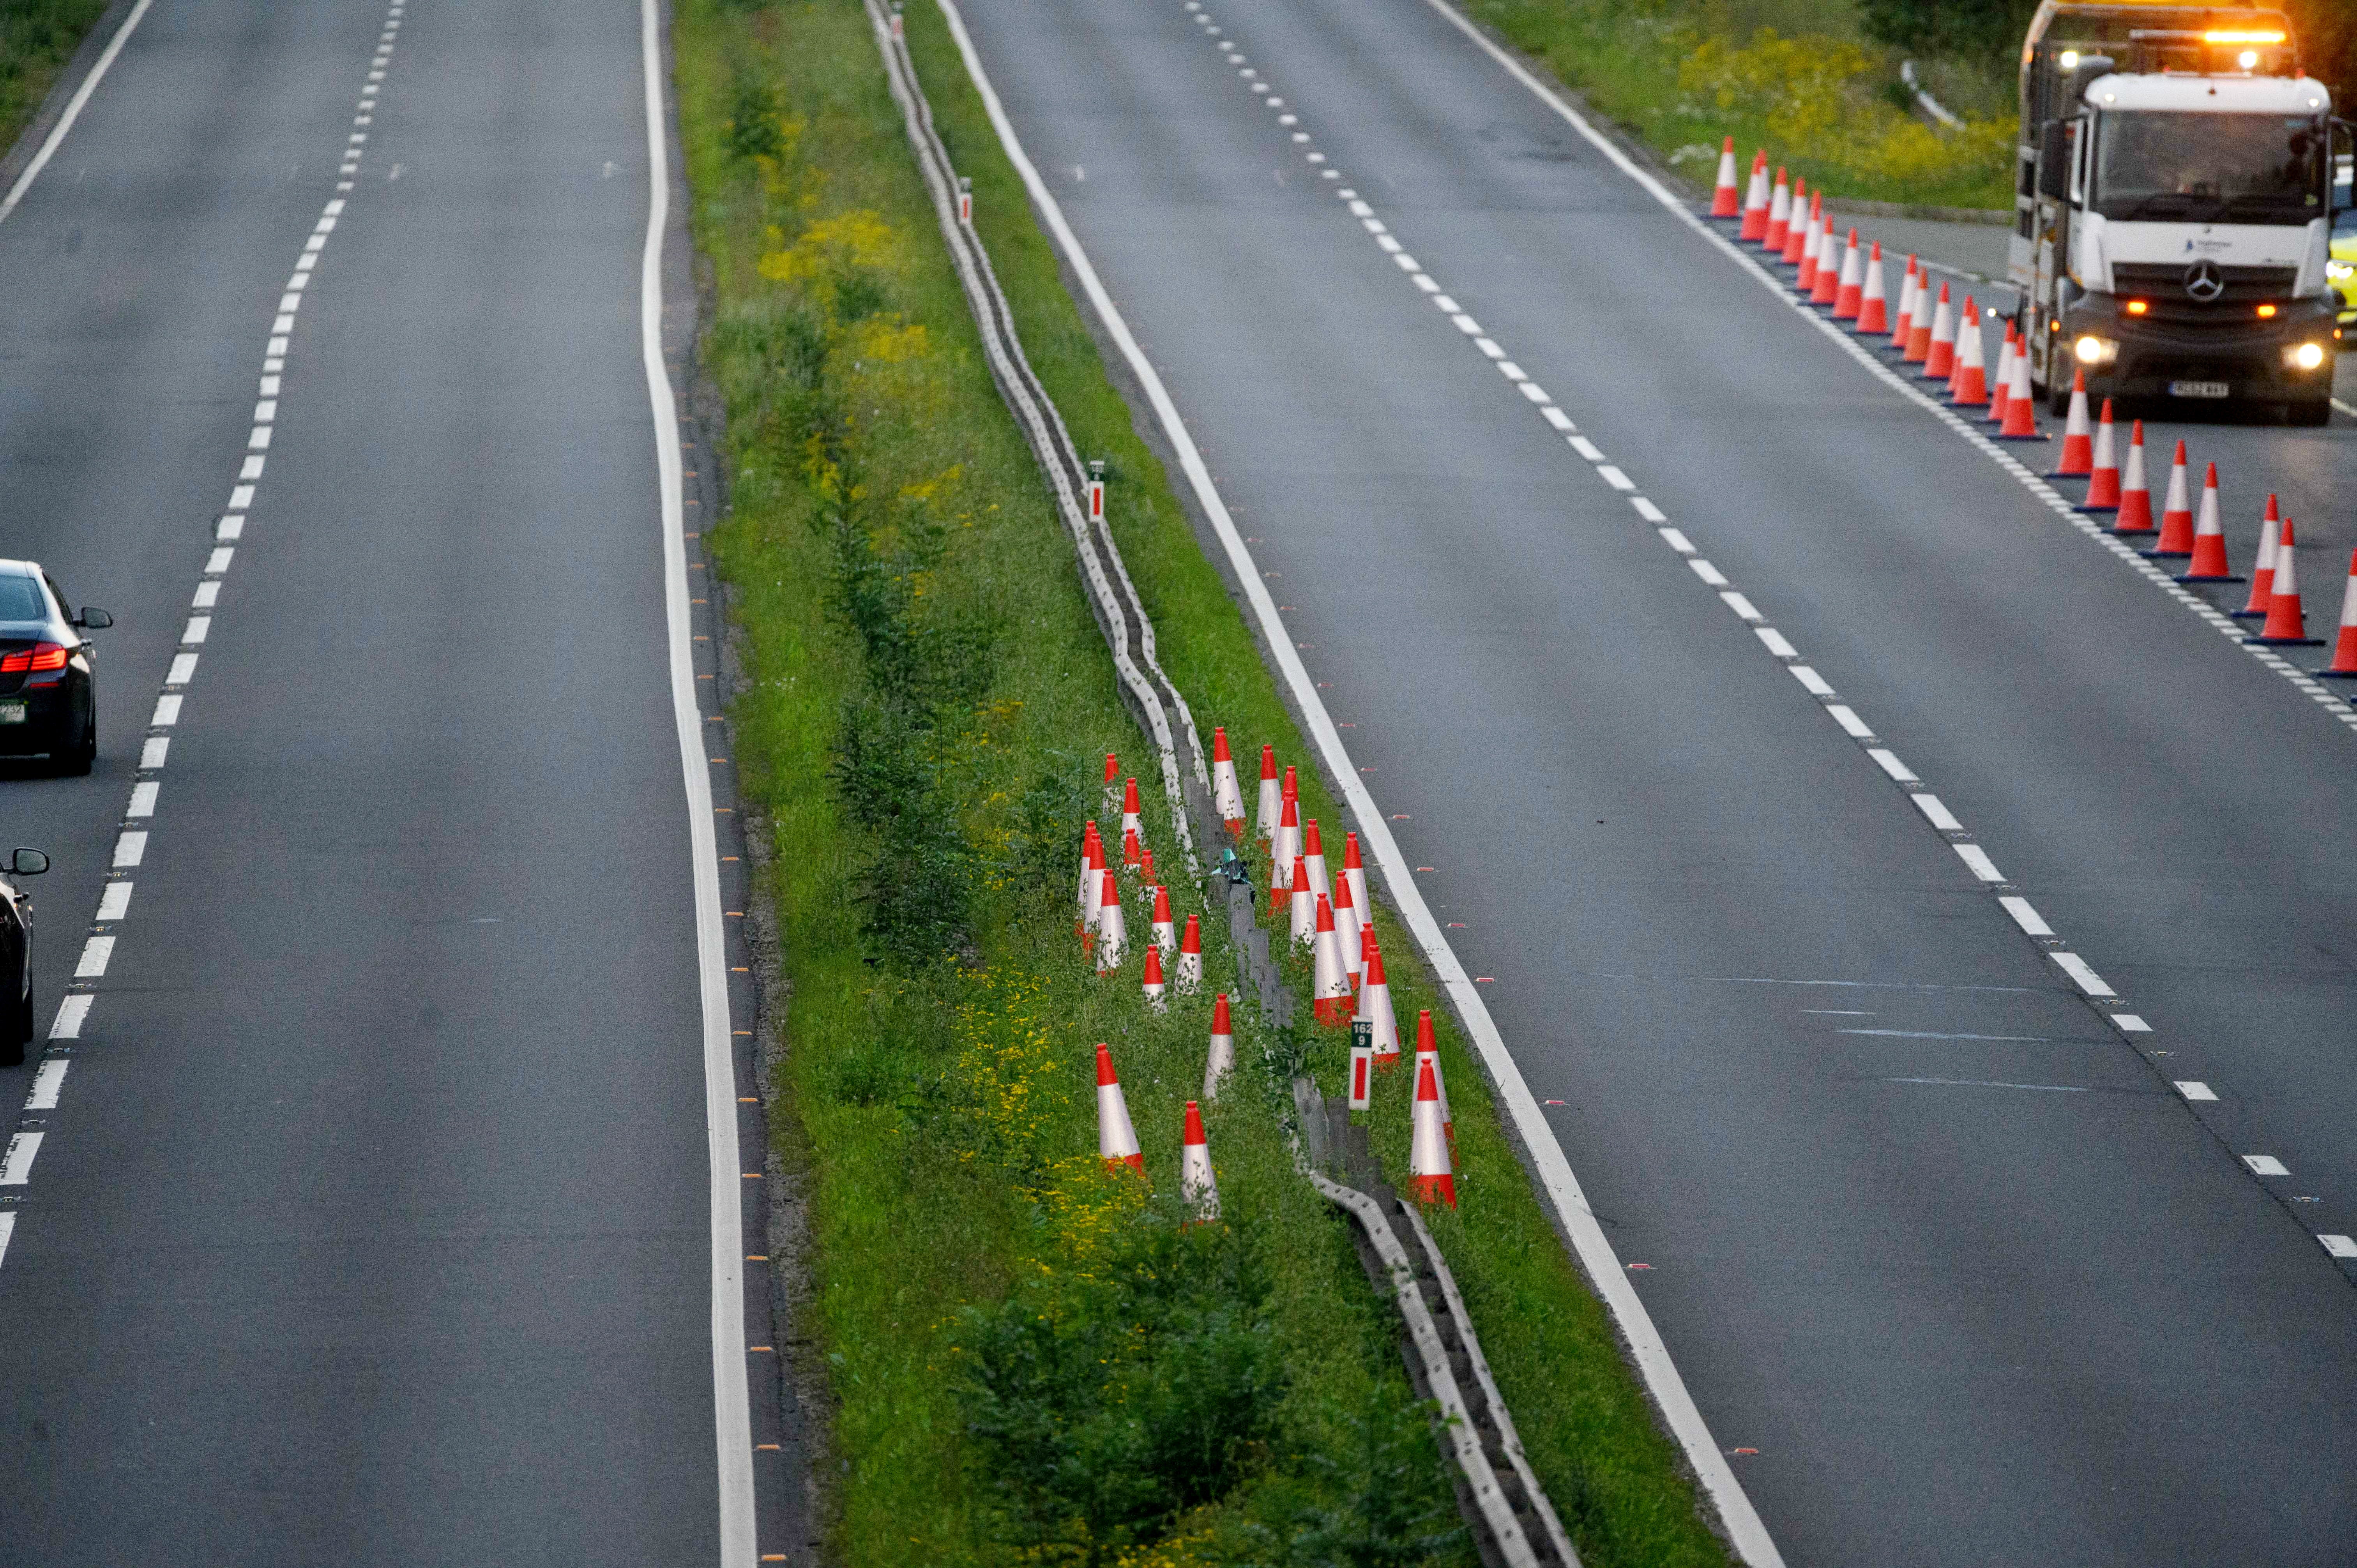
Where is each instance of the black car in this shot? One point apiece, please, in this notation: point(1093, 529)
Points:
point(16, 955)
point(48, 700)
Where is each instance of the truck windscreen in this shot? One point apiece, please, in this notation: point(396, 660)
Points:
point(2165, 167)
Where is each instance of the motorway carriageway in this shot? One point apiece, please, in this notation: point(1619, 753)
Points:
point(1938, 936)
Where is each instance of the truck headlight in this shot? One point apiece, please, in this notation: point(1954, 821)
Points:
point(2094, 350)
point(2303, 356)
point(2340, 271)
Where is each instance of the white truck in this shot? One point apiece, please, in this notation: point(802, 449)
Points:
point(2174, 207)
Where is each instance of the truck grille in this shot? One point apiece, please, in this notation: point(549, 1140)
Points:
point(2167, 281)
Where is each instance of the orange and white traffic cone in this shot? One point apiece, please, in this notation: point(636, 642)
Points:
point(2176, 512)
point(1330, 983)
point(1091, 868)
point(1283, 851)
point(1112, 928)
point(1197, 1185)
point(1271, 802)
point(1832, 265)
point(2078, 440)
point(1968, 388)
point(1796, 227)
point(1375, 1007)
point(1132, 821)
point(1346, 929)
point(1780, 215)
point(2344, 647)
point(1116, 1138)
point(1157, 992)
point(1940, 357)
point(1909, 290)
point(1227, 795)
point(2001, 389)
point(2209, 564)
point(1874, 303)
point(2103, 480)
point(1313, 853)
point(1919, 328)
point(2021, 408)
point(2178, 526)
point(1147, 874)
point(1190, 957)
point(1428, 1050)
point(1726, 200)
point(1849, 289)
point(1755, 201)
point(1813, 249)
point(2263, 572)
point(2286, 623)
point(1221, 1058)
point(1112, 783)
point(1162, 931)
point(2136, 492)
point(1356, 874)
point(1133, 853)
point(1431, 1178)
point(1301, 905)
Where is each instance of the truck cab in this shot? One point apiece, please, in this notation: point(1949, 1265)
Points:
point(2174, 225)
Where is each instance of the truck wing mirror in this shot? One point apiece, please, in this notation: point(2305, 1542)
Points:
point(2054, 158)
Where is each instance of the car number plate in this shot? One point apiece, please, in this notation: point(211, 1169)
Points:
point(11, 712)
point(2199, 389)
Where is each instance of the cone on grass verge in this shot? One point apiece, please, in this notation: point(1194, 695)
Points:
point(1313, 853)
point(1112, 782)
point(1221, 1059)
point(2103, 480)
point(2180, 528)
point(1227, 795)
point(1849, 289)
point(1301, 905)
point(2344, 646)
point(1375, 1007)
point(1163, 931)
point(1968, 388)
point(1428, 1050)
point(1346, 929)
point(1726, 200)
point(1430, 1178)
point(1329, 984)
point(2077, 439)
point(2286, 623)
point(1356, 874)
point(1190, 957)
point(1112, 928)
point(1091, 868)
point(1755, 201)
point(1132, 824)
point(1874, 304)
point(1133, 853)
point(1271, 802)
point(1197, 1185)
point(1940, 355)
point(2135, 514)
point(2209, 564)
point(1157, 990)
point(1796, 227)
point(1780, 215)
point(1117, 1139)
point(2263, 571)
point(1282, 853)
point(1145, 872)
point(2176, 510)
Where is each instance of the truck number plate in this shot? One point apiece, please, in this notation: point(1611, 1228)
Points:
point(11, 712)
point(2199, 389)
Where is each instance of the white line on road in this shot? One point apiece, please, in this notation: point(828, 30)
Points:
point(70, 1013)
point(16, 1165)
point(95, 952)
point(47, 1079)
point(114, 901)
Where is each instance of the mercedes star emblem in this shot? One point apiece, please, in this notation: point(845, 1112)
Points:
point(2204, 282)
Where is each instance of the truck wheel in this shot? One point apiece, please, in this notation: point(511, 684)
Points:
point(2312, 415)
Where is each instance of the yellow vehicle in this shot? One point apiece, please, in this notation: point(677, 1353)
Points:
point(2340, 271)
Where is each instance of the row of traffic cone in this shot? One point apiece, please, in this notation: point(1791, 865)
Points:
point(1432, 1162)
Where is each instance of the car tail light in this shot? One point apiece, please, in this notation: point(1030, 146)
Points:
point(41, 656)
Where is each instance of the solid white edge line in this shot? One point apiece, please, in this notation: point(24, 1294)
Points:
point(74, 110)
point(731, 1397)
point(1595, 1252)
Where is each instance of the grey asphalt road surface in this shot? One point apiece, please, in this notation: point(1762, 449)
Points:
point(1922, 1228)
point(372, 1223)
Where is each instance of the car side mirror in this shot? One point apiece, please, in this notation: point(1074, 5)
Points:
point(93, 619)
point(27, 862)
